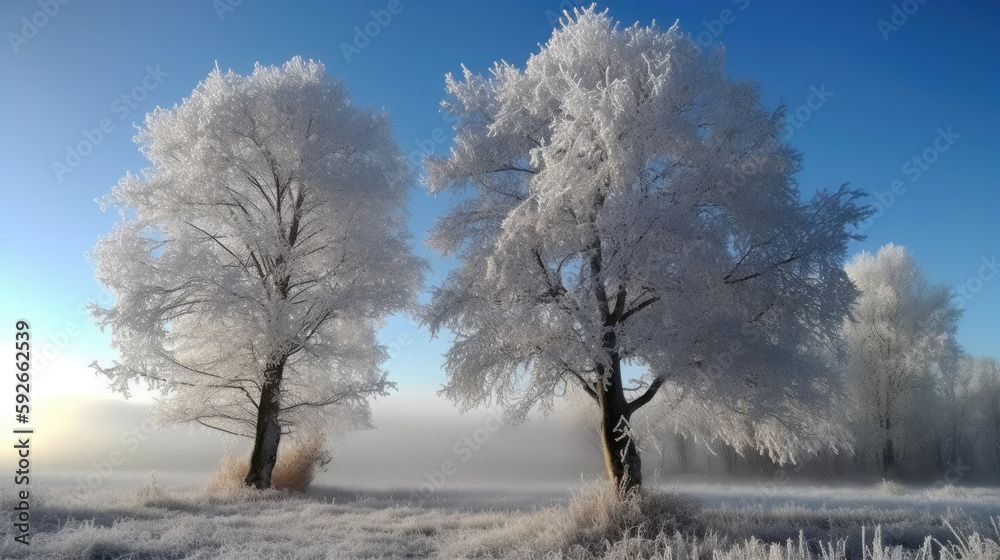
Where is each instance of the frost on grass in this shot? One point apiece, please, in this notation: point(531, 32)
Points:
point(890, 488)
point(154, 521)
point(594, 517)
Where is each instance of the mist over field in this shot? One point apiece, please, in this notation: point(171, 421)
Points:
point(370, 504)
point(411, 437)
point(560, 280)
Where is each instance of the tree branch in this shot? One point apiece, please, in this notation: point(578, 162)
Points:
point(647, 396)
point(586, 386)
point(638, 308)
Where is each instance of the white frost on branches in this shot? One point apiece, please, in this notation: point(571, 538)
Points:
point(624, 189)
point(899, 334)
point(270, 227)
point(624, 430)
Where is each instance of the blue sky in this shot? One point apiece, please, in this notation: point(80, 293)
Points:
point(867, 100)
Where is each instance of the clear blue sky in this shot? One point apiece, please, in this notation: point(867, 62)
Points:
point(890, 96)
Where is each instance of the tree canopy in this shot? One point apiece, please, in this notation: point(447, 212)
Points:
point(899, 336)
point(630, 204)
point(259, 254)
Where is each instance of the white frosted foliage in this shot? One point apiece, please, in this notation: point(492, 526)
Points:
point(269, 229)
point(899, 336)
point(630, 204)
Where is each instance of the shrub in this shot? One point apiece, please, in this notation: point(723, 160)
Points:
point(299, 459)
point(595, 518)
point(890, 488)
point(299, 462)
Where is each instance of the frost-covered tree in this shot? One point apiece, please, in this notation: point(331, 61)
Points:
point(982, 398)
point(899, 332)
point(258, 256)
point(629, 204)
point(954, 408)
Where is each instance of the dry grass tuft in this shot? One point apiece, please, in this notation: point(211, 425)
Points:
point(298, 462)
point(594, 518)
point(890, 488)
point(226, 483)
point(948, 491)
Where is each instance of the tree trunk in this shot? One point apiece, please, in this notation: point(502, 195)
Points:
point(268, 436)
point(888, 457)
point(888, 452)
point(621, 456)
point(683, 448)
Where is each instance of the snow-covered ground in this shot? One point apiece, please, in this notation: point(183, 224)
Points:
point(180, 518)
point(935, 501)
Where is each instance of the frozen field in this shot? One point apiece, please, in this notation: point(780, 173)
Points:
point(175, 519)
